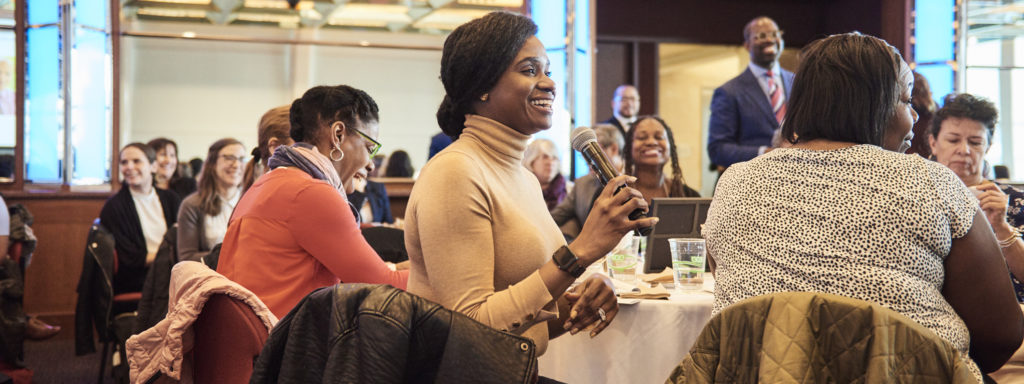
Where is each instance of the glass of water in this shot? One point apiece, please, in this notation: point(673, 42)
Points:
point(688, 258)
point(624, 261)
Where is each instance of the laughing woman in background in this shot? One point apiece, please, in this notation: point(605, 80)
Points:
point(138, 215)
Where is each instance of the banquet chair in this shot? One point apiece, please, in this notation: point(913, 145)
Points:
point(112, 314)
point(228, 337)
point(817, 337)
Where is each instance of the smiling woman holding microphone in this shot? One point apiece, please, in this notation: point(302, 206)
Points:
point(479, 235)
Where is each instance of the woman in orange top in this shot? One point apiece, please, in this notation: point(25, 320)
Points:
point(293, 231)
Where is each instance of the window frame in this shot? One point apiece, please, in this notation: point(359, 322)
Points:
point(19, 187)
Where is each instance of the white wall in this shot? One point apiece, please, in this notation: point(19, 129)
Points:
point(198, 91)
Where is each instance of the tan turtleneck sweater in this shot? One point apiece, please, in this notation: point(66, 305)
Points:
point(477, 230)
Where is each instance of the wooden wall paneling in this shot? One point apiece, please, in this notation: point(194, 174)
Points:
point(646, 76)
point(613, 67)
point(708, 22)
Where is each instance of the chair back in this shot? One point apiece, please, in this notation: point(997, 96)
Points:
point(817, 337)
point(228, 338)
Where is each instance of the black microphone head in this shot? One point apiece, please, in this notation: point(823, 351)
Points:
point(581, 136)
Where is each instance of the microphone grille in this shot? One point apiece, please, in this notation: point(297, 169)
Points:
point(581, 136)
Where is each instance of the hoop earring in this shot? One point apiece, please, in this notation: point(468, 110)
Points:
point(484, 97)
point(341, 155)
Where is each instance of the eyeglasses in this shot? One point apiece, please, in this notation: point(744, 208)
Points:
point(376, 144)
point(232, 159)
point(765, 35)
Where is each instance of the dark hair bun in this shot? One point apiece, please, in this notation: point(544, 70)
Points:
point(449, 118)
point(295, 118)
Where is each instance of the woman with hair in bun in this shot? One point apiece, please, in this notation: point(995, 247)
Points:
point(294, 231)
point(273, 131)
point(479, 235)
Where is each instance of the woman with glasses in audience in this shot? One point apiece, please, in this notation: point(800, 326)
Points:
point(960, 136)
point(168, 176)
point(479, 235)
point(138, 216)
point(649, 146)
point(845, 211)
point(203, 216)
point(294, 231)
point(272, 132)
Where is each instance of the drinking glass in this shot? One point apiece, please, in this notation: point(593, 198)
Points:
point(625, 259)
point(688, 258)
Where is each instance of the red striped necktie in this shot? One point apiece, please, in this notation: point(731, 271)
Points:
point(777, 99)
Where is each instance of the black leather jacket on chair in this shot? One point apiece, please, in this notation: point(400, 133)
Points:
point(359, 333)
point(95, 289)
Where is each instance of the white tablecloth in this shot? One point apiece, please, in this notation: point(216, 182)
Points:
point(642, 345)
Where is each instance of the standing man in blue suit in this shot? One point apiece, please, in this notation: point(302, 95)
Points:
point(747, 110)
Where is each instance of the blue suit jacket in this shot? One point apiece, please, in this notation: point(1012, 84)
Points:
point(742, 119)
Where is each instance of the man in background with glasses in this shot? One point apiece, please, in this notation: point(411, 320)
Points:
point(747, 110)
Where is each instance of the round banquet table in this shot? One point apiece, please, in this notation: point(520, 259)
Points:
point(643, 344)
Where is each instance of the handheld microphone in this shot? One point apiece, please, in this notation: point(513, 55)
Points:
point(584, 140)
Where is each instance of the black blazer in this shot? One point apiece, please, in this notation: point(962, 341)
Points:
point(617, 124)
point(122, 220)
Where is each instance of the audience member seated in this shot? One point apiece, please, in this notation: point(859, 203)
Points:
point(845, 211)
point(924, 105)
point(138, 215)
point(166, 174)
point(372, 200)
point(399, 165)
point(960, 136)
point(541, 158)
point(572, 212)
point(294, 231)
point(649, 146)
point(271, 133)
point(203, 217)
point(479, 235)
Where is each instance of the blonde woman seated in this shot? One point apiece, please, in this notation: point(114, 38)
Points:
point(541, 158)
point(203, 216)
